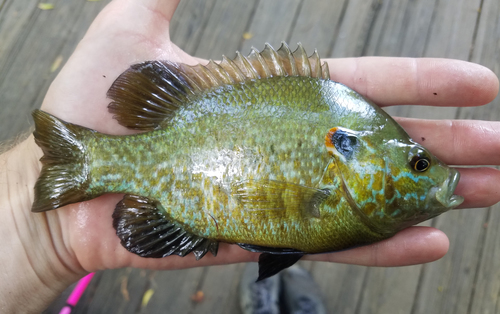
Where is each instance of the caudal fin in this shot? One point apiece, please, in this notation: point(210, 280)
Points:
point(64, 176)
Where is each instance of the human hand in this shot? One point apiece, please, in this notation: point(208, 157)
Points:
point(82, 236)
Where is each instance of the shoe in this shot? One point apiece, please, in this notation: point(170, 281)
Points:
point(259, 297)
point(300, 294)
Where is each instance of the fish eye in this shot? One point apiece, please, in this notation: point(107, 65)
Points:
point(421, 165)
point(419, 160)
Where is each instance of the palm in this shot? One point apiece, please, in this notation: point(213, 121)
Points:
point(127, 33)
point(78, 95)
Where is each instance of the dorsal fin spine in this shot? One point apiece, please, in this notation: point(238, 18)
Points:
point(220, 73)
point(273, 61)
point(285, 53)
point(193, 73)
point(316, 69)
point(213, 79)
point(193, 79)
point(301, 57)
point(229, 65)
point(325, 70)
point(263, 64)
point(251, 72)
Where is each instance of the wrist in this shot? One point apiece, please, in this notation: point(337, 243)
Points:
point(33, 256)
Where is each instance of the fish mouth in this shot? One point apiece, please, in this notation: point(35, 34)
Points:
point(445, 195)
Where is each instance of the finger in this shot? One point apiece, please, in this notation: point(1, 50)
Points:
point(157, 8)
point(432, 82)
point(151, 18)
point(414, 245)
point(457, 142)
point(479, 187)
point(164, 9)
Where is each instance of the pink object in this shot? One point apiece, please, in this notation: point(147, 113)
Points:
point(76, 293)
point(65, 310)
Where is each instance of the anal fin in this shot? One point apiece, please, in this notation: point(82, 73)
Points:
point(271, 264)
point(144, 230)
point(266, 249)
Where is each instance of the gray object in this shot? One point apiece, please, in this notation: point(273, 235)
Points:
point(300, 294)
point(259, 297)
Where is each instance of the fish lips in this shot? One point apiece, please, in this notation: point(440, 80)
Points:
point(445, 194)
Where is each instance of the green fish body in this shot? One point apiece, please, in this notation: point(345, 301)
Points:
point(263, 151)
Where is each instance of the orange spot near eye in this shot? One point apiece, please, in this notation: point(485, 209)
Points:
point(328, 137)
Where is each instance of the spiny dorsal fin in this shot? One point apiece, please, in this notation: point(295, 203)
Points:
point(147, 95)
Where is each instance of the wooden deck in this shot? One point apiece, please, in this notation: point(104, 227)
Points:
point(466, 280)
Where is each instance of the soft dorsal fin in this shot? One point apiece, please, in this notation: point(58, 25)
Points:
point(147, 95)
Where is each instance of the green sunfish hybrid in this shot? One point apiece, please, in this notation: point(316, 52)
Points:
point(263, 151)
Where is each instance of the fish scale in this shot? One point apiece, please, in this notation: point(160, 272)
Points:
point(263, 151)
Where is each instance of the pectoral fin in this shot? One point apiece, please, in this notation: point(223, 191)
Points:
point(144, 230)
point(278, 196)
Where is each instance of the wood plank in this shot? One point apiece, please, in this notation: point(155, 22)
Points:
point(223, 33)
point(342, 285)
point(389, 289)
point(233, 300)
point(271, 23)
point(15, 18)
point(401, 28)
point(218, 282)
point(189, 22)
point(173, 290)
point(29, 74)
point(422, 14)
point(486, 295)
point(118, 291)
point(355, 28)
point(387, 30)
point(447, 284)
point(318, 24)
point(453, 28)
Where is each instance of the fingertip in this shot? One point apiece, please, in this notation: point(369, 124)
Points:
point(450, 82)
point(414, 245)
point(428, 244)
point(483, 81)
point(478, 186)
point(411, 246)
point(491, 80)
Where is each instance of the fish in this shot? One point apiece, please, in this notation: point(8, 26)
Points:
point(262, 151)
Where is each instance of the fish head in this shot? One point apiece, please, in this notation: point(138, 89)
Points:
point(392, 183)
